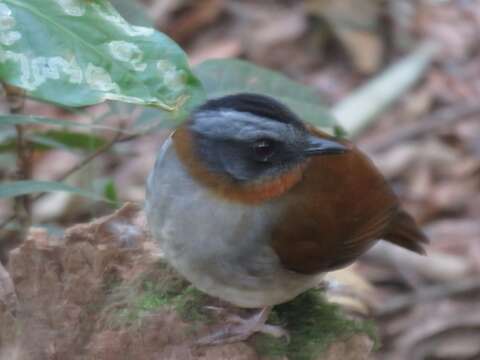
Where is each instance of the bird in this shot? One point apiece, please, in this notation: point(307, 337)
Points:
point(253, 206)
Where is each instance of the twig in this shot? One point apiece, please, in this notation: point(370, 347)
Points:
point(129, 137)
point(90, 157)
point(439, 119)
point(431, 293)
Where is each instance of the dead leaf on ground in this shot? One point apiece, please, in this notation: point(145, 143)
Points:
point(357, 347)
point(455, 325)
point(436, 267)
point(268, 31)
point(350, 290)
point(356, 24)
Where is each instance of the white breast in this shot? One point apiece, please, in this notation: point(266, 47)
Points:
point(222, 247)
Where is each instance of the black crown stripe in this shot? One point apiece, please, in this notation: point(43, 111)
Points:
point(260, 105)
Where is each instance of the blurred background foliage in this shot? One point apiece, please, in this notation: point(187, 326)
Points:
point(401, 76)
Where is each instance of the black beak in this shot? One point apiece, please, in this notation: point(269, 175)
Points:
point(319, 146)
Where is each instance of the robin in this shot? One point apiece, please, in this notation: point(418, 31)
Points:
point(253, 206)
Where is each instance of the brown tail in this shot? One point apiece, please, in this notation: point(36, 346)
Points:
point(404, 232)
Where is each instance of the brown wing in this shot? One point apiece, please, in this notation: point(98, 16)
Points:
point(337, 212)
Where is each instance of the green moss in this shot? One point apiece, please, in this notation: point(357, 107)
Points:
point(138, 304)
point(157, 290)
point(190, 304)
point(152, 297)
point(313, 324)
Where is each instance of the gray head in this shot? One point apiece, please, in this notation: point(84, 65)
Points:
point(249, 137)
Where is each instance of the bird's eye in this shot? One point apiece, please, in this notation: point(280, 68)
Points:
point(263, 149)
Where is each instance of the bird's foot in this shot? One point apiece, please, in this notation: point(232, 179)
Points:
point(240, 329)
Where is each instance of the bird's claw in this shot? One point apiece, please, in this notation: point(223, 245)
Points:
point(239, 329)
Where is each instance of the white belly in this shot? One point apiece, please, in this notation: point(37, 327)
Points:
point(220, 246)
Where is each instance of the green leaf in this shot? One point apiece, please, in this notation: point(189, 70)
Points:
point(38, 120)
point(69, 139)
point(16, 188)
point(6, 134)
point(7, 161)
point(231, 76)
point(133, 11)
point(79, 52)
point(42, 143)
point(110, 192)
point(65, 139)
point(6, 121)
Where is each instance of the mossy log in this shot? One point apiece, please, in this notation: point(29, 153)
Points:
point(103, 292)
